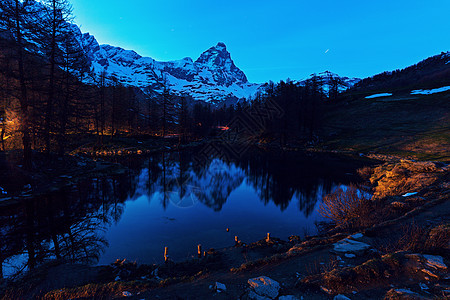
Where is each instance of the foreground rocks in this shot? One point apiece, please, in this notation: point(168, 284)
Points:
point(264, 287)
point(406, 177)
point(405, 257)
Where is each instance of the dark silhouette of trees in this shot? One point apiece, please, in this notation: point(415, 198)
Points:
point(15, 23)
point(53, 28)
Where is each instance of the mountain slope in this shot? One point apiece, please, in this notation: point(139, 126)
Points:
point(213, 77)
point(433, 72)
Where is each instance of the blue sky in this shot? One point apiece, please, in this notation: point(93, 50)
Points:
point(274, 40)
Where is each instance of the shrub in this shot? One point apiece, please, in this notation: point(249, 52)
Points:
point(349, 208)
point(418, 238)
point(365, 172)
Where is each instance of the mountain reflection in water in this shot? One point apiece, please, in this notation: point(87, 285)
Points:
point(170, 199)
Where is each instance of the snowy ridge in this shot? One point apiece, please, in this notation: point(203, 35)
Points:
point(328, 79)
point(213, 77)
point(430, 92)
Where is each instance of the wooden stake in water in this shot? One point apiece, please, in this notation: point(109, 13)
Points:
point(199, 250)
point(268, 237)
point(166, 254)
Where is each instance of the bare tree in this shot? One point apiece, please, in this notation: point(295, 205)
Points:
point(57, 14)
point(15, 23)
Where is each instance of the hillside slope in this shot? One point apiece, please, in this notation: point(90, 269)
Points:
point(409, 125)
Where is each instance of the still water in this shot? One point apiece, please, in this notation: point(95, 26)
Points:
point(172, 199)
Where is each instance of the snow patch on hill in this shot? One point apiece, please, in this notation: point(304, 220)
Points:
point(432, 91)
point(379, 95)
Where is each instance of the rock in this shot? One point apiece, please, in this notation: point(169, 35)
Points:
point(402, 294)
point(254, 296)
point(341, 297)
point(287, 297)
point(326, 290)
point(428, 272)
point(347, 245)
point(127, 294)
point(220, 287)
point(264, 286)
point(349, 255)
point(435, 261)
point(357, 236)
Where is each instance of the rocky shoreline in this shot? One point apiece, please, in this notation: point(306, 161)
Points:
point(402, 254)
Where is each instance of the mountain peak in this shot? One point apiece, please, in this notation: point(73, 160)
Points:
point(215, 56)
point(221, 46)
point(218, 58)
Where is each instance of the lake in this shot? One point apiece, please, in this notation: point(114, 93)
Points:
point(176, 200)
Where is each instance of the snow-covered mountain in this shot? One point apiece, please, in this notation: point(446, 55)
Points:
point(328, 79)
point(213, 77)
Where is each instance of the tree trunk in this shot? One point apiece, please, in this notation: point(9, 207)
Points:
point(23, 93)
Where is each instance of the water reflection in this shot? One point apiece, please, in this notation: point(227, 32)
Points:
point(260, 190)
point(68, 225)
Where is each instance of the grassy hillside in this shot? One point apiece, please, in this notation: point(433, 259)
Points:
point(417, 126)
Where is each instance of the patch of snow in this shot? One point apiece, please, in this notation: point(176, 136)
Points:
point(432, 91)
point(409, 194)
point(2, 191)
point(379, 95)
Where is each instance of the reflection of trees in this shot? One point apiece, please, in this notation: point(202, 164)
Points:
point(83, 241)
point(277, 177)
point(280, 177)
point(67, 225)
point(172, 177)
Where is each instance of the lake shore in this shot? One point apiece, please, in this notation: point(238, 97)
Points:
point(309, 267)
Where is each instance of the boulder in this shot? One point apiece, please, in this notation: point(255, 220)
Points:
point(341, 297)
point(220, 287)
point(254, 296)
point(348, 245)
point(287, 297)
point(435, 261)
point(264, 286)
